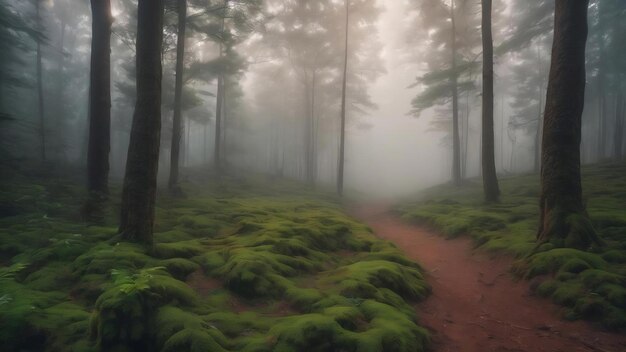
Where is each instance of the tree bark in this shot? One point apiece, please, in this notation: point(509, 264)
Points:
point(100, 99)
point(564, 221)
point(178, 93)
point(490, 179)
point(139, 192)
point(456, 143)
point(40, 100)
point(342, 137)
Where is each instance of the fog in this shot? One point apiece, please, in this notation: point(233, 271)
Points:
point(281, 63)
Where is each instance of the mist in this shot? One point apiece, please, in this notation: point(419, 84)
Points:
point(390, 149)
point(312, 175)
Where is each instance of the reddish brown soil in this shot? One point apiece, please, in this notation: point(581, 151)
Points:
point(202, 284)
point(476, 306)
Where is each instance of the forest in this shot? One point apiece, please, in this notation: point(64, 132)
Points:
point(312, 175)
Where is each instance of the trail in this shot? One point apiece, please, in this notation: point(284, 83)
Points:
point(476, 306)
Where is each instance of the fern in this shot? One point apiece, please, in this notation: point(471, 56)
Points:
point(9, 273)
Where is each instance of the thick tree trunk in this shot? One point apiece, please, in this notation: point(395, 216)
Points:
point(342, 131)
point(139, 192)
point(490, 179)
point(564, 221)
point(100, 98)
point(178, 93)
point(40, 99)
point(456, 143)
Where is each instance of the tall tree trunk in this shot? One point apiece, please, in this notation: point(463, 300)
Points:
point(100, 98)
point(564, 221)
point(465, 137)
point(342, 131)
point(217, 153)
point(456, 143)
point(314, 127)
point(140, 181)
point(308, 132)
point(537, 161)
point(178, 93)
point(619, 127)
point(40, 102)
point(224, 120)
point(60, 114)
point(490, 179)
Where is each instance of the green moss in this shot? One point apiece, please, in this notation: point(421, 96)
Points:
point(615, 256)
point(272, 261)
point(363, 279)
point(103, 257)
point(567, 294)
point(553, 260)
point(184, 331)
point(584, 281)
point(575, 265)
point(594, 278)
point(183, 249)
point(179, 267)
point(54, 276)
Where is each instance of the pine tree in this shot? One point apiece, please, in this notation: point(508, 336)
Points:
point(140, 181)
point(564, 221)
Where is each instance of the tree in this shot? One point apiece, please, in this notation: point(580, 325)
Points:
point(220, 96)
point(139, 191)
point(302, 46)
point(563, 220)
point(99, 98)
point(40, 98)
point(342, 132)
point(178, 92)
point(490, 179)
point(451, 58)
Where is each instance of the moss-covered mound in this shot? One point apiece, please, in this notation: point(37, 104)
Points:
point(588, 285)
point(235, 267)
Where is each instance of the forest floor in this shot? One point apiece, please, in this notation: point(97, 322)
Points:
point(237, 265)
point(476, 305)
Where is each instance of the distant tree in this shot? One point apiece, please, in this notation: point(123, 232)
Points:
point(100, 98)
point(139, 191)
point(178, 92)
point(219, 109)
point(40, 97)
point(564, 221)
point(490, 179)
point(302, 46)
point(15, 33)
point(451, 58)
point(342, 132)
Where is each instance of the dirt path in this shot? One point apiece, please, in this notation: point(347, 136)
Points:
point(475, 305)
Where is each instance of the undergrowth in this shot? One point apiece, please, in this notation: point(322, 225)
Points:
point(589, 285)
point(236, 266)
